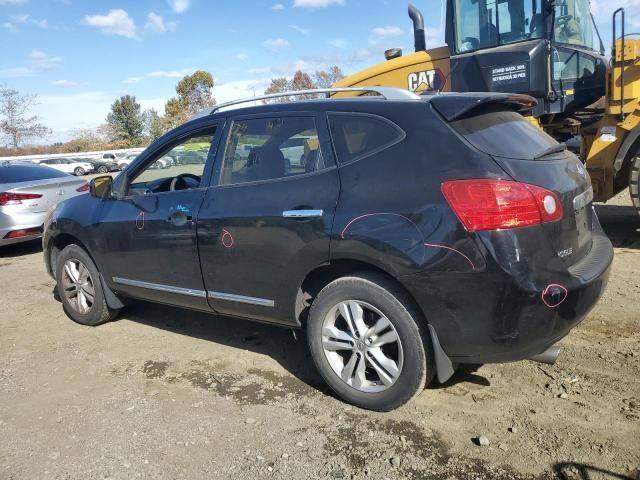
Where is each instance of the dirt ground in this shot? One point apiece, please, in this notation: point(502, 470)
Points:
point(170, 394)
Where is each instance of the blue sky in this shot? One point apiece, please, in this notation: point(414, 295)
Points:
point(79, 56)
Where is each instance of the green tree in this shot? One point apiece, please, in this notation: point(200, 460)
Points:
point(15, 122)
point(194, 94)
point(326, 78)
point(126, 122)
point(154, 126)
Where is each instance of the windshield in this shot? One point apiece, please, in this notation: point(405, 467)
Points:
point(573, 23)
point(489, 23)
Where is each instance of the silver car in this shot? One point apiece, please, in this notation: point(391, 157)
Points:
point(27, 193)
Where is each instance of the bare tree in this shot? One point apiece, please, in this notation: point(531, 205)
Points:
point(15, 123)
point(326, 78)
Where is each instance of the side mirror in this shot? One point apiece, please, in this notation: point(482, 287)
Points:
point(100, 187)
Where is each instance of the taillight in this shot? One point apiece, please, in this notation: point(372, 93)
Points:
point(10, 198)
point(24, 232)
point(485, 204)
point(83, 188)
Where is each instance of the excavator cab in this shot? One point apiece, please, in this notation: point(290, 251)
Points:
point(544, 48)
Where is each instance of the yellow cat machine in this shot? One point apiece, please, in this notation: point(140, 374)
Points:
point(543, 48)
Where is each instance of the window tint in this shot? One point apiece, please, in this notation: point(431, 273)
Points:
point(25, 173)
point(356, 136)
point(268, 148)
point(185, 163)
point(506, 134)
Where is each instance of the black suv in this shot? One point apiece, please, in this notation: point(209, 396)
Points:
point(406, 234)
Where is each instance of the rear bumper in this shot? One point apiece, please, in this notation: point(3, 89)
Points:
point(22, 221)
point(488, 317)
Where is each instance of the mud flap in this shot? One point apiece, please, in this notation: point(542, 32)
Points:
point(444, 367)
point(112, 300)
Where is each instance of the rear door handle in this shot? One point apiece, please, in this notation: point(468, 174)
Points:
point(179, 218)
point(301, 213)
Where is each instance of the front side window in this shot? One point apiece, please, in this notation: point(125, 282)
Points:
point(489, 23)
point(357, 136)
point(179, 168)
point(270, 148)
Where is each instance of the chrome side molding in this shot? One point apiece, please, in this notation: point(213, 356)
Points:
point(159, 287)
point(231, 297)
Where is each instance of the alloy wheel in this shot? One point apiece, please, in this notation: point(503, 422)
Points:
point(78, 286)
point(362, 346)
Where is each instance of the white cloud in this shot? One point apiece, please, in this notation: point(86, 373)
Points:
point(316, 3)
point(116, 22)
point(156, 23)
point(237, 89)
point(24, 19)
point(242, 57)
point(38, 62)
point(13, 2)
point(278, 6)
point(65, 83)
point(391, 31)
point(299, 29)
point(179, 6)
point(276, 43)
point(38, 55)
point(338, 43)
point(171, 73)
point(160, 74)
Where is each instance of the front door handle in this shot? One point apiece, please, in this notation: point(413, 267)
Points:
point(301, 213)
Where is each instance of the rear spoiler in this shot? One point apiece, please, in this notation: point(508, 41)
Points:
point(457, 105)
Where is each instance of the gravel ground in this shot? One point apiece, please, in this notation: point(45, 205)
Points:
point(165, 393)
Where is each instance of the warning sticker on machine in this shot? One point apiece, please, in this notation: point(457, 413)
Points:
point(509, 73)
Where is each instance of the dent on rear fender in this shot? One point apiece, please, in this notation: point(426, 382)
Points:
point(427, 240)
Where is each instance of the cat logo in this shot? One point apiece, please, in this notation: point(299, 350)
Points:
point(426, 80)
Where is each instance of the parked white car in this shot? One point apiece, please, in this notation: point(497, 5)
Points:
point(125, 161)
point(68, 165)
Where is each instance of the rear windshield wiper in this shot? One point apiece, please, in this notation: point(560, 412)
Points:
point(561, 147)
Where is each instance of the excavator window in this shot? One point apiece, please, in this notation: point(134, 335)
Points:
point(489, 23)
point(573, 23)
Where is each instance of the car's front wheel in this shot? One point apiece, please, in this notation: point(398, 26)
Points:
point(79, 171)
point(79, 288)
point(366, 340)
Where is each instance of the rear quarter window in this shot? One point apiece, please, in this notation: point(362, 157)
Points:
point(356, 136)
point(26, 173)
point(504, 134)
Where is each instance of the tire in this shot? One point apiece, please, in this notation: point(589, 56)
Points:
point(634, 181)
point(79, 171)
point(75, 284)
point(103, 169)
point(381, 301)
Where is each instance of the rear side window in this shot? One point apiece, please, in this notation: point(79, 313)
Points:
point(270, 148)
point(504, 134)
point(26, 173)
point(358, 136)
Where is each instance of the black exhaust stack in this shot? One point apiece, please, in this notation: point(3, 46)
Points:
point(418, 28)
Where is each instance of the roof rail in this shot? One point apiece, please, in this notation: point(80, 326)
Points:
point(388, 93)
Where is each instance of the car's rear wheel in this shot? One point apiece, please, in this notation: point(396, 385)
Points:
point(103, 169)
point(79, 288)
point(79, 171)
point(366, 340)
